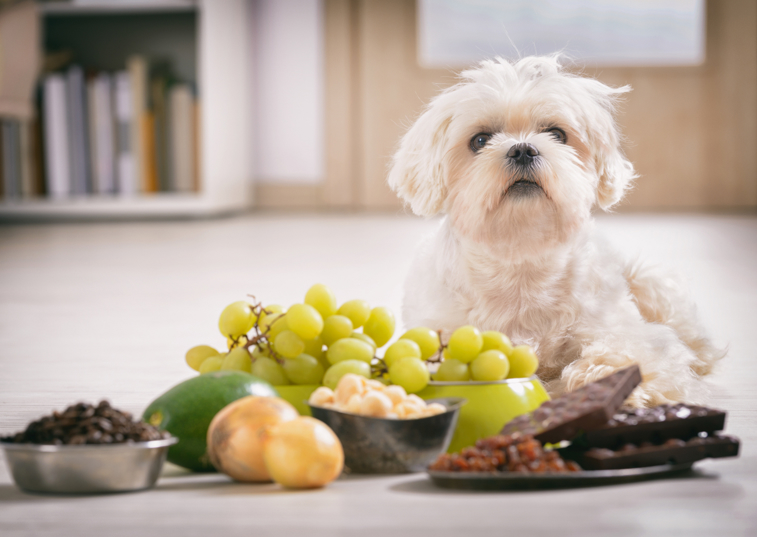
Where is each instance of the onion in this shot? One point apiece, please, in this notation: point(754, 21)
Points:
point(236, 435)
point(303, 453)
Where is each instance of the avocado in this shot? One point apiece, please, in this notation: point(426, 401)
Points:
point(187, 409)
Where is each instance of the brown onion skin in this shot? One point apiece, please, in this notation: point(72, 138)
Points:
point(236, 434)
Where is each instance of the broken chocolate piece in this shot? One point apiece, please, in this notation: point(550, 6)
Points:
point(585, 409)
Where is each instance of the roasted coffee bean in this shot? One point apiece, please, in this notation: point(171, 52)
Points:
point(84, 423)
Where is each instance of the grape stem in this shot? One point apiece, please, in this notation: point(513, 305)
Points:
point(438, 356)
point(260, 339)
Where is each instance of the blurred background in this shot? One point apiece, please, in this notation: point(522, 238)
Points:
point(160, 159)
point(129, 127)
point(164, 108)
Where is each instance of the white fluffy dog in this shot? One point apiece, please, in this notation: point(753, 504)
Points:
point(517, 155)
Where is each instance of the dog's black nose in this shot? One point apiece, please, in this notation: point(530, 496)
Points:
point(523, 154)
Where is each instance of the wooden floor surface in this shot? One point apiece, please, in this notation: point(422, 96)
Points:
point(92, 311)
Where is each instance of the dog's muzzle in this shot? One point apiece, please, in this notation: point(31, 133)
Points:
point(522, 158)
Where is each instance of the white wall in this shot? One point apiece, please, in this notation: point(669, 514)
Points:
point(288, 90)
point(459, 33)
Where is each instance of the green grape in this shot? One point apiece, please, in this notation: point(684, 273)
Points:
point(410, 373)
point(210, 364)
point(324, 361)
point(260, 352)
point(427, 340)
point(400, 349)
point(272, 308)
point(232, 343)
point(380, 325)
point(196, 355)
point(304, 370)
point(523, 362)
point(452, 371)
point(338, 370)
point(465, 343)
point(288, 344)
point(305, 321)
point(314, 347)
point(322, 299)
point(367, 339)
point(349, 349)
point(357, 311)
point(236, 319)
point(497, 341)
point(268, 311)
point(270, 371)
point(336, 327)
point(237, 360)
point(489, 365)
point(382, 377)
point(273, 325)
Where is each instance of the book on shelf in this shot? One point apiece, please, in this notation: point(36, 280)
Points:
point(56, 138)
point(79, 161)
point(99, 133)
point(102, 133)
point(137, 67)
point(126, 168)
point(181, 143)
point(9, 145)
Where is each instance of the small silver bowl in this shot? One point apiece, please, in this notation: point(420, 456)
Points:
point(88, 468)
point(392, 446)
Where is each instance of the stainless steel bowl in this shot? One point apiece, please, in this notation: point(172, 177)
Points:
point(87, 468)
point(391, 446)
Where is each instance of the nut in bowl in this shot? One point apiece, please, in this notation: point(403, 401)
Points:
point(388, 444)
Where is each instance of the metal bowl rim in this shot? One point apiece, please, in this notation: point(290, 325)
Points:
point(67, 448)
point(519, 380)
point(454, 405)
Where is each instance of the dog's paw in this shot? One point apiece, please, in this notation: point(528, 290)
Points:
point(581, 373)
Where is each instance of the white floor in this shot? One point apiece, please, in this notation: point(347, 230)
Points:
point(91, 311)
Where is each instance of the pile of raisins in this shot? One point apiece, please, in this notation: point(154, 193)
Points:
point(505, 453)
point(83, 423)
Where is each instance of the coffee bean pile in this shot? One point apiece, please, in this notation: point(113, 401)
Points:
point(83, 423)
point(505, 453)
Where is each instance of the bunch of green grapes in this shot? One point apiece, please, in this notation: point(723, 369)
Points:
point(488, 356)
point(316, 342)
point(312, 342)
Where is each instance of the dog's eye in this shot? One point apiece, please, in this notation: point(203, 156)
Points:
point(479, 141)
point(558, 133)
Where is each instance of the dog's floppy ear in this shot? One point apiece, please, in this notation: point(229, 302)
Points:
point(615, 175)
point(615, 171)
point(418, 173)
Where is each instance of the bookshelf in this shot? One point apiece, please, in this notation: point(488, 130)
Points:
point(217, 60)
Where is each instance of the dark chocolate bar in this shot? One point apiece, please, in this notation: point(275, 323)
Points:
point(584, 409)
point(673, 451)
point(657, 424)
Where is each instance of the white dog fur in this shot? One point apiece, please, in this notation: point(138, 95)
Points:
point(523, 259)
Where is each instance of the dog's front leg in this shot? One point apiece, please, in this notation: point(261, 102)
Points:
point(664, 360)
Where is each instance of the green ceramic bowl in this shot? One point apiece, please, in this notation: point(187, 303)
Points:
point(490, 405)
point(298, 396)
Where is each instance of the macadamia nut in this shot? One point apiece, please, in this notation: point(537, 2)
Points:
point(348, 386)
point(322, 396)
point(375, 404)
point(357, 395)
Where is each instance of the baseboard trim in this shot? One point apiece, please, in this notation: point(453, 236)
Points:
point(288, 196)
